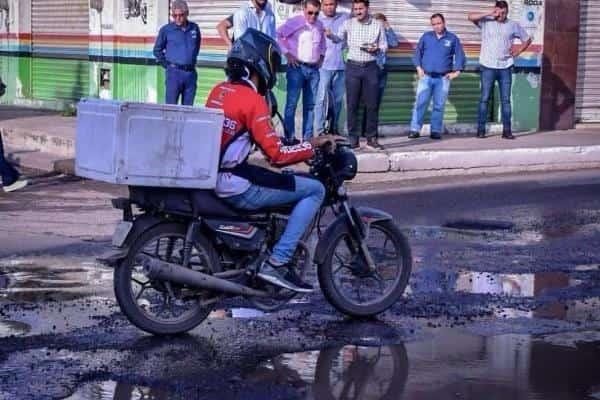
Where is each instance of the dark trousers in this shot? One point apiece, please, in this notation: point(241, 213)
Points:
point(383, 76)
point(180, 83)
point(362, 82)
point(488, 77)
point(8, 173)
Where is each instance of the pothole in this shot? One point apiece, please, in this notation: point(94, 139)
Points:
point(479, 225)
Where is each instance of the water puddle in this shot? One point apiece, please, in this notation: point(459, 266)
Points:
point(111, 390)
point(13, 328)
point(240, 313)
point(513, 285)
point(534, 286)
point(449, 365)
point(480, 225)
point(39, 279)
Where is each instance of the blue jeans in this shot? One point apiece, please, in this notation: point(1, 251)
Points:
point(429, 87)
point(180, 83)
point(488, 77)
point(8, 173)
point(300, 80)
point(331, 90)
point(308, 196)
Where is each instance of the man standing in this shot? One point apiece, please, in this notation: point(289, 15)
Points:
point(10, 176)
point(392, 41)
point(365, 37)
point(223, 31)
point(176, 49)
point(302, 40)
point(497, 59)
point(439, 58)
point(331, 73)
point(257, 14)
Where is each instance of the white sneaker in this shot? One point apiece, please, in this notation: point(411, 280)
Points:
point(16, 186)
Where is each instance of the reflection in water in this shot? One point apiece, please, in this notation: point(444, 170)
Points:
point(451, 365)
point(39, 279)
point(533, 285)
point(349, 372)
point(13, 328)
point(110, 390)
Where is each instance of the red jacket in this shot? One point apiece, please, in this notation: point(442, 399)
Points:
point(246, 111)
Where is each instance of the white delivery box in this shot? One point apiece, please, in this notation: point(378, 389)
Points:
point(148, 144)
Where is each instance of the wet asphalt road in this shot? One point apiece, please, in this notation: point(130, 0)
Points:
point(503, 303)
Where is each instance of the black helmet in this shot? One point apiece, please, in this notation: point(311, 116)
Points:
point(258, 52)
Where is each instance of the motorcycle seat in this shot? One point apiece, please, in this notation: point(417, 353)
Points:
point(188, 202)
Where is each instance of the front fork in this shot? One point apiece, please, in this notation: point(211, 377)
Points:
point(360, 232)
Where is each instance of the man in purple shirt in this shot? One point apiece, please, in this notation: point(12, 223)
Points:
point(302, 40)
point(332, 88)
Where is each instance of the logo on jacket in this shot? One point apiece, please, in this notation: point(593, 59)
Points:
point(447, 43)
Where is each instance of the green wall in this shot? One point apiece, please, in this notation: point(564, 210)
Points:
point(48, 81)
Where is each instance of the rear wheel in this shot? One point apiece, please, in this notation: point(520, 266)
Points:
point(161, 307)
point(346, 279)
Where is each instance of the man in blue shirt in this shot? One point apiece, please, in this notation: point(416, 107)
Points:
point(176, 49)
point(439, 58)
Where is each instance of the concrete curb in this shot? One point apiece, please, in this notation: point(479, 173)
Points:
point(43, 151)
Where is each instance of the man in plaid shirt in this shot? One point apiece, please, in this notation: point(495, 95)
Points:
point(365, 38)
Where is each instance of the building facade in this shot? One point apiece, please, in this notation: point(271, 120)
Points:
point(53, 52)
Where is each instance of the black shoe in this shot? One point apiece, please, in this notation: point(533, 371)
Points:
point(480, 135)
point(275, 275)
point(508, 135)
point(373, 144)
point(292, 276)
point(414, 135)
point(354, 143)
point(435, 136)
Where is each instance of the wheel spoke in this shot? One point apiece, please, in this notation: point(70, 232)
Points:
point(140, 283)
point(144, 287)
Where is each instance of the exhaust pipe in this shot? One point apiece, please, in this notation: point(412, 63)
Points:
point(157, 269)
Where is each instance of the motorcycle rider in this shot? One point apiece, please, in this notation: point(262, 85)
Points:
point(251, 69)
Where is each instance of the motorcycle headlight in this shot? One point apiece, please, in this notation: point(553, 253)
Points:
point(345, 163)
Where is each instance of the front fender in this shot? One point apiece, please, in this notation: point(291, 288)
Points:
point(367, 215)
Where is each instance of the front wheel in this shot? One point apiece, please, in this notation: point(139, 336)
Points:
point(348, 283)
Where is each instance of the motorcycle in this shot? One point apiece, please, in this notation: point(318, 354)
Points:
point(181, 251)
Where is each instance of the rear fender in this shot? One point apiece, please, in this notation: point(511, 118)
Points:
point(141, 224)
point(367, 215)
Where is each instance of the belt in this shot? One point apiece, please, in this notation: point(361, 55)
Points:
point(309, 65)
point(183, 67)
point(436, 74)
point(361, 63)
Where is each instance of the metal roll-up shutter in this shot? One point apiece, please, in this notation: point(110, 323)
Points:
point(410, 20)
point(588, 76)
point(59, 36)
point(208, 13)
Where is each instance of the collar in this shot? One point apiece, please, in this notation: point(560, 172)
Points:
point(185, 28)
point(253, 7)
point(444, 34)
point(250, 83)
point(368, 21)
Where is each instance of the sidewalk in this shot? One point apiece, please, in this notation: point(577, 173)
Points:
point(45, 140)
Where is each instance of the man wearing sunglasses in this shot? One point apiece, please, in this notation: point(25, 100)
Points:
point(176, 49)
point(302, 40)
